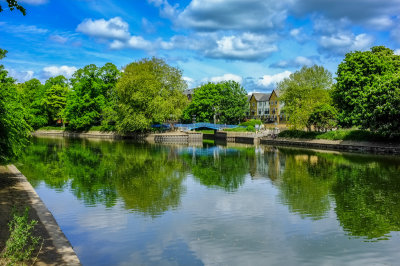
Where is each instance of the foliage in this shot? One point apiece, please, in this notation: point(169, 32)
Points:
point(367, 92)
point(340, 134)
point(55, 98)
point(22, 242)
point(303, 91)
point(149, 92)
point(251, 122)
point(323, 118)
point(224, 101)
point(14, 131)
point(92, 92)
point(13, 4)
point(32, 94)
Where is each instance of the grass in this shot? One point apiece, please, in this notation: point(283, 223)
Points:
point(205, 131)
point(52, 128)
point(340, 134)
point(240, 129)
point(22, 243)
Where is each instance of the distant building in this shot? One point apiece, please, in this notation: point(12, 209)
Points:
point(266, 106)
point(189, 93)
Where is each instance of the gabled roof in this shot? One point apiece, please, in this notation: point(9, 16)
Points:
point(262, 97)
point(188, 91)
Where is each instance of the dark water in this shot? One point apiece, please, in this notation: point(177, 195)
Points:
point(121, 203)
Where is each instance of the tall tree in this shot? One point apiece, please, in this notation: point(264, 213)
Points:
point(367, 92)
point(55, 98)
point(149, 91)
point(91, 90)
point(14, 131)
point(225, 101)
point(303, 91)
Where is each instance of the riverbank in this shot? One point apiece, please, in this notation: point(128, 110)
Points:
point(17, 192)
point(339, 145)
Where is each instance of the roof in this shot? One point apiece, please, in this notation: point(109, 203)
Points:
point(189, 91)
point(262, 97)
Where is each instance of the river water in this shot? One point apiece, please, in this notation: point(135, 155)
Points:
point(124, 203)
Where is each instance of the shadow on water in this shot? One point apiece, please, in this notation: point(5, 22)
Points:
point(363, 190)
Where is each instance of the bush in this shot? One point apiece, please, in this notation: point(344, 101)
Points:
point(251, 122)
point(297, 134)
point(22, 243)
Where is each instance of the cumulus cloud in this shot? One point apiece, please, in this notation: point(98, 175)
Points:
point(134, 42)
point(52, 71)
point(114, 28)
point(297, 62)
point(166, 10)
point(271, 80)
point(212, 15)
point(247, 46)
point(342, 43)
point(397, 52)
point(190, 82)
point(21, 76)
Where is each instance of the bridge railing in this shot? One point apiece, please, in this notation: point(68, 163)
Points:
point(204, 125)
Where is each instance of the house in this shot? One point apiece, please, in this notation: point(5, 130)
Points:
point(266, 106)
point(189, 93)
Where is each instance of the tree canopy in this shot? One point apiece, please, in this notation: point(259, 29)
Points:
point(13, 4)
point(225, 101)
point(303, 91)
point(92, 88)
point(367, 92)
point(149, 91)
point(14, 130)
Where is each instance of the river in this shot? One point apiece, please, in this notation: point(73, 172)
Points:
point(126, 203)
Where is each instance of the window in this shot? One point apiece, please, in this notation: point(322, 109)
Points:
point(254, 104)
point(259, 112)
point(266, 112)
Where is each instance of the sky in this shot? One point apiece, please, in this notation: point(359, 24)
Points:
point(255, 42)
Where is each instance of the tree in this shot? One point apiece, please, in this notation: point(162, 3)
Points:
point(32, 93)
point(14, 131)
point(303, 91)
point(367, 90)
point(91, 90)
point(323, 118)
point(149, 91)
point(225, 101)
point(13, 4)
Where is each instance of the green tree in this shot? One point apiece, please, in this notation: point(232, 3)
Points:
point(224, 101)
point(55, 98)
point(32, 94)
point(149, 91)
point(14, 130)
point(91, 91)
point(13, 4)
point(367, 90)
point(323, 118)
point(303, 91)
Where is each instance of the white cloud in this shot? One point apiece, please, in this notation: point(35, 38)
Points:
point(21, 76)
point(247, 46)
point(166, 10)
point(342, 43)
point(31, 29)
point(114, 28)
point(52, 71)
point(58, 39)
point(134, 42)
point(271, 80)
point(189, 81)
point(225, 77)
point(397, 52)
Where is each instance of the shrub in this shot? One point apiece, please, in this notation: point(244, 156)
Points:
point(251, 122)
point(22, 243)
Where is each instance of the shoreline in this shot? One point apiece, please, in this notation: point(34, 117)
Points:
point(234, 137)
point(19, 192)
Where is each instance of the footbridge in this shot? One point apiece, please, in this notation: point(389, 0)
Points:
point(188, 127)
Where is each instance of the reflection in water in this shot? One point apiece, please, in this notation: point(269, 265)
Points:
point(361, 192)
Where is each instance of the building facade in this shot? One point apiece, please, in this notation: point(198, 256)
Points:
point(267, 107)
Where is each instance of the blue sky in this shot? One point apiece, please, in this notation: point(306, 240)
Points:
point(255, 42)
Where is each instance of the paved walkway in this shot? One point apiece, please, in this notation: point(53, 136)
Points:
point(17, 192)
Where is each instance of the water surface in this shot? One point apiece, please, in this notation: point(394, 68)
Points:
point(123, 203)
